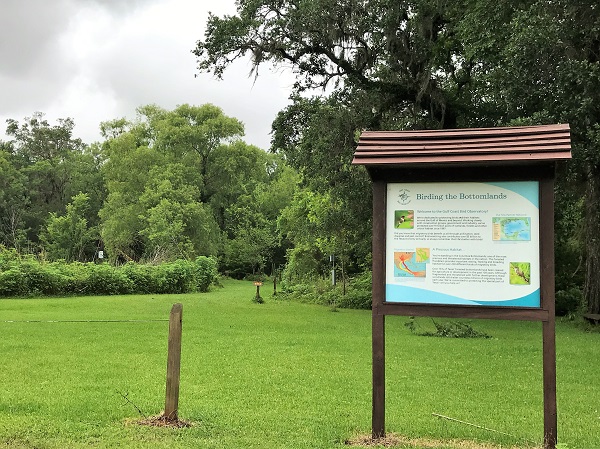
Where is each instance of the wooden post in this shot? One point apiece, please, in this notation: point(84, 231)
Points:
point(549, 363)
point(257, 297)
point(378, 315)
point(378, 416)
point(173, 363)
point(548, 299)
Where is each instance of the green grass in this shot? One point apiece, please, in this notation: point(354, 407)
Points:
point(274, 375)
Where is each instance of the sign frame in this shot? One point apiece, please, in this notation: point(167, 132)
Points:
point(484, 155)
point(544, 175)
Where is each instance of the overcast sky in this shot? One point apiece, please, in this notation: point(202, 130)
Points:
point(97, 60)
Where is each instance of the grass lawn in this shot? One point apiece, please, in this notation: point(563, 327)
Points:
point(275, 375)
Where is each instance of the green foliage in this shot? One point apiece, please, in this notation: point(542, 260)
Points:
point(13, 200)
point(181, 184)
point(331, 208)
point(142, 277)
point(569, 301)
point(8, 257)
point(252, 239)
point(390, 65)
point(12, 283)
point(30, 277)
point(69, 236)
point(51, 168)
point(42, 278)
point(205, 273)
point(26, 276)
point(357, 294)
point(105, 279)
point(450, 329)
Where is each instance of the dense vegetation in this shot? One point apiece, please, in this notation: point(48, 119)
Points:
point(27, 276)
point(423, 64)
point(172, 185)
point(182, 183)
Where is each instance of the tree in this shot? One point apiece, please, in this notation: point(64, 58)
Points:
point(69, 236)
point(55, 166)
point(43, 152)
point(171, 177)
point(391, 64)
point(402, 53)
point(234, 171)
point(175, 222)
point(250, 221)
point(317, 137)
point(431, 64)
point(128, 163)
point(13, 200)
point(543, 67)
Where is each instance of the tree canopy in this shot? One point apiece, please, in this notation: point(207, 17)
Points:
point(429, 64)
point(172, 184)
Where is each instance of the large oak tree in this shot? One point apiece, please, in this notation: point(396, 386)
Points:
point(432, 64)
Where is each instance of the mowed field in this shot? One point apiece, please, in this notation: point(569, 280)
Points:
point(276, 375)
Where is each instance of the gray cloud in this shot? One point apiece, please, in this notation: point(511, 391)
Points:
point(29, 32)
point(96, 60)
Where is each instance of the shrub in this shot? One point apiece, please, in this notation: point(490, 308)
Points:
point(450, 329)
point(42, 278)
point(358, 292)
point(205, 273)
point(12, 283)
point(105, 279)
point(9, 258)
point(355, 299)
point(568, 301)
point(176, 277)
point(143, 277)
point(27, 276)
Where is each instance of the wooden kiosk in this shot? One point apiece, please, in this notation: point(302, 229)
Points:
point(463, 227)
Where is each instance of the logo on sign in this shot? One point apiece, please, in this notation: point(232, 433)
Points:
point(404, 197)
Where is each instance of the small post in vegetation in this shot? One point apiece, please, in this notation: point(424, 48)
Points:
point(173, 363)
point(275, 285)
point(257, 298)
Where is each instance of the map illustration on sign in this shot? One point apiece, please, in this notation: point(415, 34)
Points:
point(411, 264)
point(511, 229)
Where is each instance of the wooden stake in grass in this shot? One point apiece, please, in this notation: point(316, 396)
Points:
point(173, 363)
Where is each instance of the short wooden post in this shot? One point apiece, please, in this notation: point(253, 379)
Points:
point(173, 363)
point(257, 298)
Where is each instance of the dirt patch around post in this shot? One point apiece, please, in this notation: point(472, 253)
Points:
point(163, 421)
point(392, 440)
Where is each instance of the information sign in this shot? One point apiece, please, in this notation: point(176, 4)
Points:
point(463, 243)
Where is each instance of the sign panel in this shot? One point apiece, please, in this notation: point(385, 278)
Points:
point(463, 243)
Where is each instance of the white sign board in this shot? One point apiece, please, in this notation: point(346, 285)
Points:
point(467, 243)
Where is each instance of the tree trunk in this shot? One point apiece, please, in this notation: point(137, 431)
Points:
point(592, 236)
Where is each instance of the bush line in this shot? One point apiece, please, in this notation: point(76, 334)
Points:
point(27, 276)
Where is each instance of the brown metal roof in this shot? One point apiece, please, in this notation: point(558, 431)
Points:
point(520, 144)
